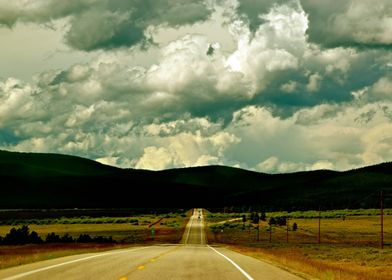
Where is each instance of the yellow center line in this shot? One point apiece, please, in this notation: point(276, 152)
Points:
point(123, 278)
point(155, 259)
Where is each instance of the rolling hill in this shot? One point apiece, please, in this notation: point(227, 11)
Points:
point(31, 180)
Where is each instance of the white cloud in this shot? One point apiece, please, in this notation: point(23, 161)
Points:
point(289, 87)
point(176, 112)
point(382, 89)
point(275, 46)
point(155, 158)
point(314, 82)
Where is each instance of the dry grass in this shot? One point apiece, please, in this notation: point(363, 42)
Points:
point(349, 248)
point(168, 230)
point(326, 262)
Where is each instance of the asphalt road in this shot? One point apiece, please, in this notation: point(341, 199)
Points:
point(192, 259)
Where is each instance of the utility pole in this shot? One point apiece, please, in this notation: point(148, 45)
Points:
point(319, 227)
point(382, 219)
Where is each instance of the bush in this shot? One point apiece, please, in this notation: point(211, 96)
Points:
point(295, 226)
point(272, 221)
point(280, 221)
point(67, 238)
point(84, 238)
point(21, 236)
point(52, 238)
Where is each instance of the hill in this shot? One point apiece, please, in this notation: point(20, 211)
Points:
point(31, 180)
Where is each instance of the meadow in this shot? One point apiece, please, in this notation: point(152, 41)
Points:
point(349, 245)
point(125, 231)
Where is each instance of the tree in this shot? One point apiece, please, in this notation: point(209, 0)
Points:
point(84, 238)
point(263, 217)
point(67, 238)
point(243, 221)
point(272, 221)
point(256, 218)
point(281, 221)
point(21, 236)
point(295, 226)
point(244, 218)
point(35, 238)
point(52, 238)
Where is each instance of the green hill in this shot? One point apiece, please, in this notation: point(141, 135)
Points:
point(30, 180)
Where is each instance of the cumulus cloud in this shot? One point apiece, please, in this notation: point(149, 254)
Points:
point(105, 24)
point(378, 91)
point(277, 102)
point(314, 82)
point(336, 137)
point(273, 47)
point(349, 22)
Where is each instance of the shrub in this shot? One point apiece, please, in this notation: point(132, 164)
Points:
point(52, 238)
point(263, 217)
point(272, 221)
point(66, 238)
point(21, 236)
point(84, 238)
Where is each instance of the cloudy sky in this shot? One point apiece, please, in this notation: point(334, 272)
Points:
point(272, 86)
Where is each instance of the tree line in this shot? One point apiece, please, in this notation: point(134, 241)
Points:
point(22, 235)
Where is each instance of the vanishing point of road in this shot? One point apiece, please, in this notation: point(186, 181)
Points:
point(192, 259)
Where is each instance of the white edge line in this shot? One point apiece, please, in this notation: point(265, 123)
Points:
point(69, 262)
point(233, 263)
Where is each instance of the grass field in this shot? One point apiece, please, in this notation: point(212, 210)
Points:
point(168, 228)
point(349, 246)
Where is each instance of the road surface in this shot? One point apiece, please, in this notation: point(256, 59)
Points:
point(192, 259)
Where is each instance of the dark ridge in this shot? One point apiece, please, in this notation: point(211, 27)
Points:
point(32, 180)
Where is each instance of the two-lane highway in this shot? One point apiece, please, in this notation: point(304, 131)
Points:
point(194, 232)
point(192, 259)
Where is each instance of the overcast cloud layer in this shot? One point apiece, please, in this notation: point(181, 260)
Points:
point(283, 86)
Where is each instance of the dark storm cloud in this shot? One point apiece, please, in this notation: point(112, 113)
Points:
point(104, 24)
point(350, 23)
point(363, 23)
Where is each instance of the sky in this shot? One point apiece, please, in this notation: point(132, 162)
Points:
point(271, 86)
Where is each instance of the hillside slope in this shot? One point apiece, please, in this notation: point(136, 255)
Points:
point(31, 180)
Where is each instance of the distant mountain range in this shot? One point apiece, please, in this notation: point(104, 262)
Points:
point(32, 180)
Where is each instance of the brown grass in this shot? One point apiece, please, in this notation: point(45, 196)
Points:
point(126, 234)
point(349, 248)
point(325, 262)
